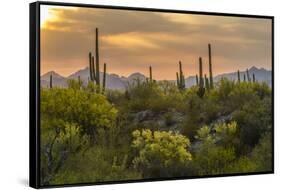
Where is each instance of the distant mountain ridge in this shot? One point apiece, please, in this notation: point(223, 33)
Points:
point(116, 82)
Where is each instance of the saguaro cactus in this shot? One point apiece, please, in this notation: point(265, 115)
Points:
point(90, 66)
point(94, 65)
point(238, 76)
point(244, 78)
point(93, 68)
point(104, 77)
point(210, 66)
point(97, 58)
point(197, 80)
point(150, 74)
point(248, 75)
point(51, 81)
point(201, 90)
point(207, 85)
point(80, 82)
point(254, 77)
point(180, 78)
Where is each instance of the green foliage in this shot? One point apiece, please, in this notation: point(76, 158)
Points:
point(227, 133)
point(212, 160)
point(160, 153)
point(198, 111)
point(259, 160)
point(89, 110)
point(152, 96)
point(204, 134)
point(87, 136)
point(95, 165)
point(254, 119)
point(74, 84)
point(59, 141)
point(209, 158)
point(262, 153)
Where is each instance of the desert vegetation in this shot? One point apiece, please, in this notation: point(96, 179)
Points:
point(154, 129)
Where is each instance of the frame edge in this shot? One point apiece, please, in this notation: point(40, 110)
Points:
point(34, 177)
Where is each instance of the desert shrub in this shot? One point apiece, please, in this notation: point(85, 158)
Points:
point(59, 141)
point(227, 134)
point(96, 165)
point(88, 110)
point(74, 84)
point(153, 96)
point(211, 158)
point(262, 90)
point(116, 97)
point(254, 119)
point(195, 112)
point(259, 160)
point(161, 154)
point(262, 153)
point(223, 88)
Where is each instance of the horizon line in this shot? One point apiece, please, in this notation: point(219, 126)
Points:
point(259, 68)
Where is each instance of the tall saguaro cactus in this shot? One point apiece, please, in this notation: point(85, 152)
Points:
point(238, 76)
point(94, 66)
point(201, 90)
point(248, 75)
point(197, 80)
point(210, 66)
point(150, 74)
point(254, 77)
point(92, 78)
point(180, 78)
point(97, 58)
point(207, 85)
point(104, 78)
point(51, 81)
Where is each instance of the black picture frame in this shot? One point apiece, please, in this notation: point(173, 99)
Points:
point(34, 90)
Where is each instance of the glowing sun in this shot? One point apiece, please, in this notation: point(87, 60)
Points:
point(47, 13)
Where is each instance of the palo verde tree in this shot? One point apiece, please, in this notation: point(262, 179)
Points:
point(160, 153)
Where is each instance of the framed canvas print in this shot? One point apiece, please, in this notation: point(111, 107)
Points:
point(120, 94)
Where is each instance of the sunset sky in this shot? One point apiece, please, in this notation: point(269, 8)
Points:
point(131, 41)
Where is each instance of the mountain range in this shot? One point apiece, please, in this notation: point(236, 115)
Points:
point(116, 82)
